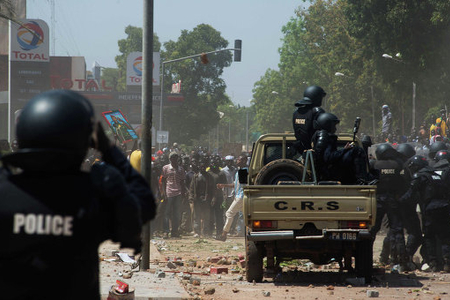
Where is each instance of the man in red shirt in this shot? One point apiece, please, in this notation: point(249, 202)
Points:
point(174, 187)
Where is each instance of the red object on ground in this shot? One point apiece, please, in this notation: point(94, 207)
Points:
point(121, 287)
point(218, 270)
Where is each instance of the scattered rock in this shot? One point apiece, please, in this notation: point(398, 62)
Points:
point(160, 274)
point(330, 287)
point(372, 293)
point(235, 290)
point(171, 265)
point(192, 263)
point(210, 291)
point(214, 260)
point(127, 275)
point(195, 281)
point(242, 263)
point(266, 293)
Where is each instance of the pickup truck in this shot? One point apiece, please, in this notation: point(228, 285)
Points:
point(289, 215)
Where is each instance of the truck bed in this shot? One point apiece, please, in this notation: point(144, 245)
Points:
point(294, 205)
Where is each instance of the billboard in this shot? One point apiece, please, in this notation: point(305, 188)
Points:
point(29, 41)
point(134, 68)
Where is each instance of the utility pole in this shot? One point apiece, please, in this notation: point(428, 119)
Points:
point(146, 134)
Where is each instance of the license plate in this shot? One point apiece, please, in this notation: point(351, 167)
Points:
point(343, 236)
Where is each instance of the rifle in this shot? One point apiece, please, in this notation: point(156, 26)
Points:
point(356, 128)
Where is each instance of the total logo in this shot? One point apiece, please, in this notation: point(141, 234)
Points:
point(31, 42)
point(137, 66)
point(30, 36)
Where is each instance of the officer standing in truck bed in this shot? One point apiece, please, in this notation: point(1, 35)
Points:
point(308, 109)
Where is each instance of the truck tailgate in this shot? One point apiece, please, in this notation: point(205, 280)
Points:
point(309, 202)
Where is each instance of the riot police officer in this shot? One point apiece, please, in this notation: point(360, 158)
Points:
point(53, 216)
point(308, 109)
point(430, 188)
point(387, 201)
point(409, 217)
point(347, 165)
point(434, 148)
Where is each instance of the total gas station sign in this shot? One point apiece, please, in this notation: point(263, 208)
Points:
point(134, 68)
point(29, 41)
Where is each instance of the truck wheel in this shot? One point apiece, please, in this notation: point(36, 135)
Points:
point(254, 263)
point(364, 260)
point(280, 170)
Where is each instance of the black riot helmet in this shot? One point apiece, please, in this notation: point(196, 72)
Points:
point(442, 154)
point(57, 121)
point(366, 141)
point(416, 163)
point(385, 151)
point(313, 95)
point(406, 150)
point(326, 121)
point(435, 147)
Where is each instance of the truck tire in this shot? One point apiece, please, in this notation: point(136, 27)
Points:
point(254, 264)
point(280, 170)
point(364, 260)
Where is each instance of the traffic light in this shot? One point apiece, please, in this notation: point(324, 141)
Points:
point(204, 58)
point(237, 50)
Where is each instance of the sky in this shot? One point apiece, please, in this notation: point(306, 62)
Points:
point(92, 28)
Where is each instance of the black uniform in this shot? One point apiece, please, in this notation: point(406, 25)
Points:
point(51, 224)
point(303, 120)
point(388, 187)
point(344, 165)
point(430, 188)
point(409, 218)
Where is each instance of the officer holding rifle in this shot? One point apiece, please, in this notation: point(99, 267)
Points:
point(347, 165)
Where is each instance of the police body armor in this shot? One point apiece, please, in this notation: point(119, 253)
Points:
point(65, 211)
point(390, 178)
point(435, 195)
point(303, 120)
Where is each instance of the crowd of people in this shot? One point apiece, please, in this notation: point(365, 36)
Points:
point(197, 193)
point(408, 176)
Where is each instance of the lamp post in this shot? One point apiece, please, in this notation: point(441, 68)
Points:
point(413, 121)
point(246, 135)
point(229, 125)
point(373, 102)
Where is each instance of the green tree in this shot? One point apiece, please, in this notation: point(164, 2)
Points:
point(111, 77)
point(316, 45)
point(418, 30)
point(132, 43)
point(202, 86)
